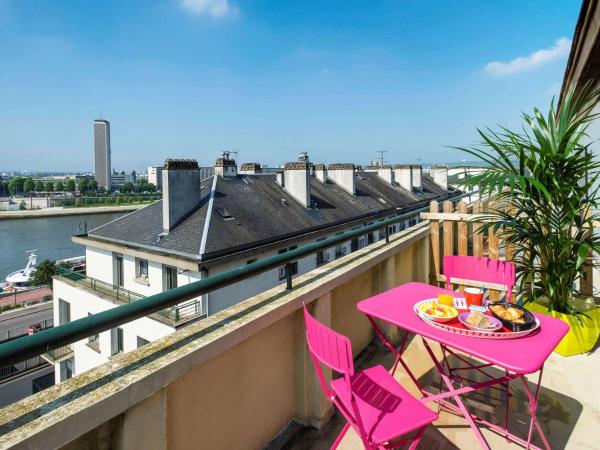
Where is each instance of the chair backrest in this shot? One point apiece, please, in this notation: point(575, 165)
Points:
point(480, 269)
point(331, 348)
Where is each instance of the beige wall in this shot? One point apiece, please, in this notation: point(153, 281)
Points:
point(240, 399)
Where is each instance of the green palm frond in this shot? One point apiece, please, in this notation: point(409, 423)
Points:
point(551, 181)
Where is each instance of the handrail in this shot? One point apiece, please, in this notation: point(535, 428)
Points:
point(42, 342)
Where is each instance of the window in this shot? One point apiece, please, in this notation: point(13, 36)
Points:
point(93, 337)
point(118, 269)
point(354, 245)
point(141, 342)
point(339, 251)
point(322, 257)
point(370, 238)
point(169, 278)
point(64, 312)
point(43, 382)
point(141, 268)
point(66, 369)
point(116, 341)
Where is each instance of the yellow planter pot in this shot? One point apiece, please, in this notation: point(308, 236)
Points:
point(582, 336)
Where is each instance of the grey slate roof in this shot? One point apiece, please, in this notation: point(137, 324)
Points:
point(250, 210)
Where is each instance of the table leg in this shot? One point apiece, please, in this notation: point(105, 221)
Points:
point(457, 399)
point(533, 402)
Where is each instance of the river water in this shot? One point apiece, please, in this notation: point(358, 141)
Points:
point(49, 235)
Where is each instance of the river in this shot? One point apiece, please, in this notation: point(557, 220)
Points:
point(49, 235)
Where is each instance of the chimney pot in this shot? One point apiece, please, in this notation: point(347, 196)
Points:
point(403, 176)
point(296, 181)
point(180, 190)
point(343, 175)
point(439, 173)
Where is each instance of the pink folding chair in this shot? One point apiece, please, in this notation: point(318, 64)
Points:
point(480, 269)
point(372, 401)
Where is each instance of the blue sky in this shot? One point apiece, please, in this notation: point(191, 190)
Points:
point(339, 79)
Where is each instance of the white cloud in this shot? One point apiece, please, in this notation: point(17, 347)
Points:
point(213, 8)
point(538, 58)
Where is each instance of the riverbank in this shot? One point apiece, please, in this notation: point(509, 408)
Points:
point(72, 211)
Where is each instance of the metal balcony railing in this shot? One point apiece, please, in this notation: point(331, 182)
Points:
point(22, 366)
point(58, 354)
point(176, 313)
point(29, 346)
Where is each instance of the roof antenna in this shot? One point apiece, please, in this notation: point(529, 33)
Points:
point(381, 153)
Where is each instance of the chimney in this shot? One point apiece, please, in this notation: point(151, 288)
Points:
point(296, 181)
point(343, 176)
point(180, 190)
point(385, 172)
point(320, 172)
point(403, 176)
point(439, 173)
point(417, 177)
point(225, 166)
point(250, 169)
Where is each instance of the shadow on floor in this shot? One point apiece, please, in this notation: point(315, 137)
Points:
point(557, 413)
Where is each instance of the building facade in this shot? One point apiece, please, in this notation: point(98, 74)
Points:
point(203, 227)
point(102, 153)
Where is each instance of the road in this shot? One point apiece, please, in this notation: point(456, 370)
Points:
point(22, 318)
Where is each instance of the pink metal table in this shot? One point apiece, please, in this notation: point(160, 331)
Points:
point(517, 357)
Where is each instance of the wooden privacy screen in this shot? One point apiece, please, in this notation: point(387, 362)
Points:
point(454, 232)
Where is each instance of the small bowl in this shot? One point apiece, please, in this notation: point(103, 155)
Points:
point(440, 319)
point(462, 318)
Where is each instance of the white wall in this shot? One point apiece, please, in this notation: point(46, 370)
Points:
point(99, 264)
point(84, 302)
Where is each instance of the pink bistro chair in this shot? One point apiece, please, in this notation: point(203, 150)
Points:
point(480, 269)
point(372, 401)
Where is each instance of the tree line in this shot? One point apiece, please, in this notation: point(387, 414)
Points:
point(26, 185)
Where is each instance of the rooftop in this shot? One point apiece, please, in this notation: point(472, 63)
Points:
point(251, 210)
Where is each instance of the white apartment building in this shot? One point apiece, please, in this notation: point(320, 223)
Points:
point(203, 227)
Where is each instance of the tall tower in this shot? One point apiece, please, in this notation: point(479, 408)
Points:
point(102, 152)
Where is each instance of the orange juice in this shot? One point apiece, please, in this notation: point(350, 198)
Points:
point(446, 299)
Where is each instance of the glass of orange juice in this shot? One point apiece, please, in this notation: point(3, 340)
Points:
point(446, 299)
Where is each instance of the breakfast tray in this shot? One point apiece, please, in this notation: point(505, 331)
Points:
point(458, 328)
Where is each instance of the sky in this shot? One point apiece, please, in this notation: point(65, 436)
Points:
point(269, 78)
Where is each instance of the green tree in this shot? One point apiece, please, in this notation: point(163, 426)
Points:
point(22, 205)
point(151, 187)
point(127, 187)
point(82, 185)
point(43, 273)
point(15, 185)
point(48, 186)
point(38, 186)
point(70, 185)
point(59, 187)
point(28, 185)
point(93, 185)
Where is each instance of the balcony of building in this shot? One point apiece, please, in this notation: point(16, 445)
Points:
point(174, 316)
point(243, 379)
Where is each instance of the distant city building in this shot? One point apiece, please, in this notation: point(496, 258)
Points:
point(102, 152)
point(119, 179)
point(155, 176)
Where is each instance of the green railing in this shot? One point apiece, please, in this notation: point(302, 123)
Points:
point(41, 342)
point(176, 313)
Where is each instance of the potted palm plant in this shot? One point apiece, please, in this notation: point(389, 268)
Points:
point(545, 181)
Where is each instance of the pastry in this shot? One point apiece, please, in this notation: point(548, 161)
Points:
point(479, 320)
